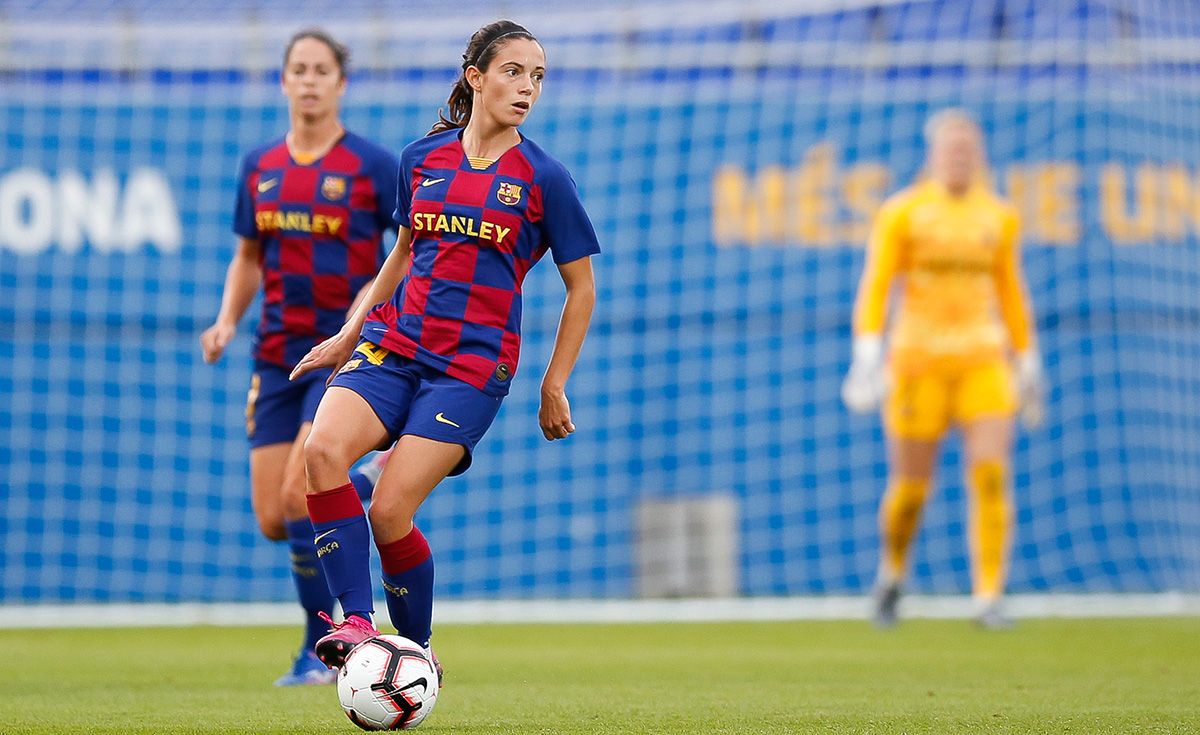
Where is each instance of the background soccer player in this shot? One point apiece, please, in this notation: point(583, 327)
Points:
point(962, 321)
point(478, 206)
point(311, 211)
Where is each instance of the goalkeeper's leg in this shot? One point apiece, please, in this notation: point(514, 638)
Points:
point(988, 402)
point(915, 419)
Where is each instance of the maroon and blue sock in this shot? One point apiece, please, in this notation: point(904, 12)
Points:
point(408, 585)
point(343, 542)
point(363, 484)
point(309, 578)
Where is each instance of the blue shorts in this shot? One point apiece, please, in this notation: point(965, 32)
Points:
point(414, 399)
point(276, 407)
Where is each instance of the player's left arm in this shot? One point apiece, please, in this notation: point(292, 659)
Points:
point(554, 416)
point(1010, 287)
point(1016, 311)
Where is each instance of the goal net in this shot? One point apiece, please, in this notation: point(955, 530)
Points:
point(731, 156)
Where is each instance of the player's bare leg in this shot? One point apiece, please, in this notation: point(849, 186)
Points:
point(911, 464)
point(344, 429)
point(987, 445)
point(267, 467)
point(312, 591)
point(415, 468)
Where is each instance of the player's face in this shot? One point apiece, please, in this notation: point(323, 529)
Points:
point(956, 158)
point(312, 79)
point(513, 81)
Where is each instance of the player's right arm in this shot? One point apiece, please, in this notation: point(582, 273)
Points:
point(883, 258)
point(335, 351)
point(863, 388)
point(242, 280)
point(1016, 313)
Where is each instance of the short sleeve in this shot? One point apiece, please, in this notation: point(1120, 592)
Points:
point(402, 215)
point(243, 209)
point(566, 227)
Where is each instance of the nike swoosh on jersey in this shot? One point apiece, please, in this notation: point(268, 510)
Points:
point(431, 182)
point(267, 185)
point(442, 419)
point(319, 536)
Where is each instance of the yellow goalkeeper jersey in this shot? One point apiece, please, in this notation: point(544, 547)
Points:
point(962, 300)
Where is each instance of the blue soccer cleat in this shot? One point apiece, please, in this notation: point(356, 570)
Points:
point(307, 670)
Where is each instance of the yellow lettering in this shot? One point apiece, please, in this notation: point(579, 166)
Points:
point(471, 230)
point(1057, 214)
point(1047, 196)
point(864, 187)
point(1178, 200)
point(442, 224)
point(1121, 227)
point(812, 219)
point(457, 224)
point(320, 224)
point(728, 206)
point(801, 204)
point(374, 353)
point(501, 233)
point(745, 212)
point(485, 230)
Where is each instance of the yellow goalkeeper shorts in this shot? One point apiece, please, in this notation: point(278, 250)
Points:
point(922, 405)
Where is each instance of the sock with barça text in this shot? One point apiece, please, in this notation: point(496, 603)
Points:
point(343, 546)
point(408, 585)
point(309, 578)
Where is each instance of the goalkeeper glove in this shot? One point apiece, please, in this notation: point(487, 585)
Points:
point(863, 388)
point(1031, 388)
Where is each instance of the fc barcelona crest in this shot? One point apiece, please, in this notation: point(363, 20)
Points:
point(333, 187)
point(509, 194)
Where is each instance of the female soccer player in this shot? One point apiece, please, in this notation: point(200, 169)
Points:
point(479, 204)
point(962, 322)
point(311, 211)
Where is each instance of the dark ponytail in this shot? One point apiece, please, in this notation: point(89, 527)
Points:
point(481, 49)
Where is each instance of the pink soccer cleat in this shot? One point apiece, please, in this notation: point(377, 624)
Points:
point(437, 665)
point(342, 638)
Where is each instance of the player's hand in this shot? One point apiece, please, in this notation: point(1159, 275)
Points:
point(332, 353)
point(1031, 388)
point(555, 414)
point(864, 386)
point(214, 339)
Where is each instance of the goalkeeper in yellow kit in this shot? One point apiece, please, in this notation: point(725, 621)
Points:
point(962, 352)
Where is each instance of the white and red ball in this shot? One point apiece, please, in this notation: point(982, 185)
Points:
point(387, 683)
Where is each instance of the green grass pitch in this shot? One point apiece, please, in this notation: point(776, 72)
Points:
point(1090, 677)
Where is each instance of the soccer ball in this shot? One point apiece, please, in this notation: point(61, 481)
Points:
point(387, 683)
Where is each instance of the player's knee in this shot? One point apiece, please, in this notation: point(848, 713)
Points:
point(389, 515)
point(321, 454)
point(989, 482)
point(272, 528)
point(294, 504)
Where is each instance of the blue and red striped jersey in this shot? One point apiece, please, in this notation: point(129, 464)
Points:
point(321, 229)
point(475, 234)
